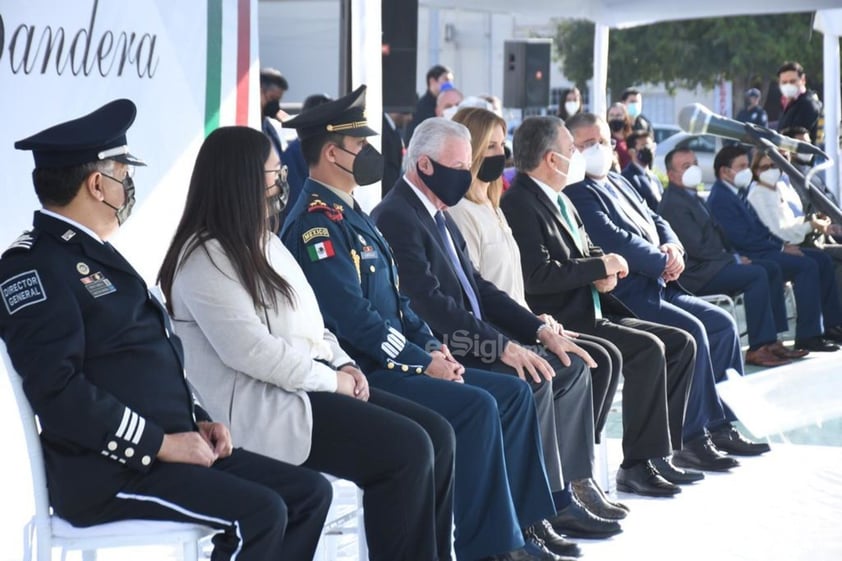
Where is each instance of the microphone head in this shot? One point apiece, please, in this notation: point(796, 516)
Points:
point(694, 118)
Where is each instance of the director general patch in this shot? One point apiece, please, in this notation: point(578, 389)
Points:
point(22, 290)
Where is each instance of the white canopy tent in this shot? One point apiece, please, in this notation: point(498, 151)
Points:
point(619, 14)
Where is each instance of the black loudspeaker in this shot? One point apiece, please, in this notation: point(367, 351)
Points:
point(400, 59)
point(526, 73)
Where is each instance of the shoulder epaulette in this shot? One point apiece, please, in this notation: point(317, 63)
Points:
point(24, 242)
point(333, 213)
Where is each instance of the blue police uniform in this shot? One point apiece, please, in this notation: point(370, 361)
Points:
point(105, 374)
point(500, 478)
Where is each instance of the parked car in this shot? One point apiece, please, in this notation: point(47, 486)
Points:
point(705, 146)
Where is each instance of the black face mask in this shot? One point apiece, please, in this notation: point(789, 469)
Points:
point(645, 157)
point(491, 168)
point(368, 165)
point(448, 184)
point(271, 108)
point(616, 125)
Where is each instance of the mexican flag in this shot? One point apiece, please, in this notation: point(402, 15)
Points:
point(321, 250)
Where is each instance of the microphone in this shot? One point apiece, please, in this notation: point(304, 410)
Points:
point(698, 119)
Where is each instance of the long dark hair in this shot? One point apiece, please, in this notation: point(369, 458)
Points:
point(227, 202)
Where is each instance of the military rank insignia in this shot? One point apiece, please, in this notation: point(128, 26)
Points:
point(333, 213)
point(320, 250)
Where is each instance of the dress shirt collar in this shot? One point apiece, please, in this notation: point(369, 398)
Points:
point(72, 222)
point(428, 204)
point(551, 193)
point(346, 198)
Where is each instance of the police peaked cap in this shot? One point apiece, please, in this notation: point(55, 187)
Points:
point(345, 115)
point(100, 135)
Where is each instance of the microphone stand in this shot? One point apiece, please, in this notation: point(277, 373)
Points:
point(807, 191)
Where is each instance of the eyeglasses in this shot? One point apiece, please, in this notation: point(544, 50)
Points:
point(281, 174)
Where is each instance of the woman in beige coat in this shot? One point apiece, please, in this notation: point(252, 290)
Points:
point(261, 359)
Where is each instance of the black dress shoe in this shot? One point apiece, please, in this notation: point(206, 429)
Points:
point(592, 497)
point(576, 521)
point(834, 334)
point(675, 474)
point(544, 533)
point(728, 439)
point(816, 345)
point(644, 479)
point(700, 453)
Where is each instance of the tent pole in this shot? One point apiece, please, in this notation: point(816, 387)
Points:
point(599, 90)
point(831, 107)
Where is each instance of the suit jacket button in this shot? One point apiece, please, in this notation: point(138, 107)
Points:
point(112, 445)
point(129, 452)
point(146, 460)
point(372, 269)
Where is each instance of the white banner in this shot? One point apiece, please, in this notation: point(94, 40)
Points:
point(189, 65)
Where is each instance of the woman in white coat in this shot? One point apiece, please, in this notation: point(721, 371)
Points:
point(261, 359)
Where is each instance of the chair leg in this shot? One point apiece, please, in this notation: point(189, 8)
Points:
point(362, 546)
point(190, 551)
point(89, 555)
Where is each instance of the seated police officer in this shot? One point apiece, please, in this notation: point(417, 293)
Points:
point(123, 437)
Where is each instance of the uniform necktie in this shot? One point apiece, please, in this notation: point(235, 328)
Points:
point(577, 239)
point(457, 265)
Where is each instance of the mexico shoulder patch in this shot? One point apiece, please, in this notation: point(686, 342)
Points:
point(321, 250)
point(22, 290)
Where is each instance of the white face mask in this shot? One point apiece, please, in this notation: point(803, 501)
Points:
point(692, 176)
point(770, 176)
point(634, 109)
point(575, 167)
point(571, 107)
point(597, 160)
point(789, 90)
point(450, 112)
point(742, 178)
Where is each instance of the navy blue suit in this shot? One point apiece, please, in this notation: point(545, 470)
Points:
point(645, 183)
point(429, 279)
point(812, 276)
point(500, 483)
point(650, 298)
point(713, 267)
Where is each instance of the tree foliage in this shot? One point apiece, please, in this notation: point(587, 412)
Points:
point(747, 50)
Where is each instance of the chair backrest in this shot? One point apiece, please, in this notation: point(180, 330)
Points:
point(33, 447)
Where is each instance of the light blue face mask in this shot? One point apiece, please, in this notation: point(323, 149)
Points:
point(634, 109)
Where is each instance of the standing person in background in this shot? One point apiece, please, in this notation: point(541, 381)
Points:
point(641, 147)
point(753, 112)
point(273, 86)
point(802, 107)
point(570, 103)
point(633, 100)
point(437, 76)
point(620, 124)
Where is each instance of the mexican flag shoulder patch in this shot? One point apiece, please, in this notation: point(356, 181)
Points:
point(321, 250)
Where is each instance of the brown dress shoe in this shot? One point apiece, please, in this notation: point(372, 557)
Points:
point(764, 356)
point(781, 351)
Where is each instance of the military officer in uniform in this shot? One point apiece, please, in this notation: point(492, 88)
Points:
point(122, 434)
point(501, 490)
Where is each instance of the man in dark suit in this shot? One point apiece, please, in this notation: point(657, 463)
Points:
point(817, 327)
point(639, 173)
point(123, 436)
point(501, 497)
point(484, 326)
point(569, 278)
point(713, 267)
point(617, 219)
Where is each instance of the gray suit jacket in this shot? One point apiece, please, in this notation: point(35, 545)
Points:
point(252, 368)
point(707, 249)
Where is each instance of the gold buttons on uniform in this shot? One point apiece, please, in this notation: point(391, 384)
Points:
point(372, 269)
point(390, 365)
point(405, 368)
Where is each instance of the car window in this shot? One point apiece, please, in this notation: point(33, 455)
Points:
point(699, 143)
point(662, 133)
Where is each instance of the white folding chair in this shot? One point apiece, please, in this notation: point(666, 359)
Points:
point(343, 521)
point(46, 531)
